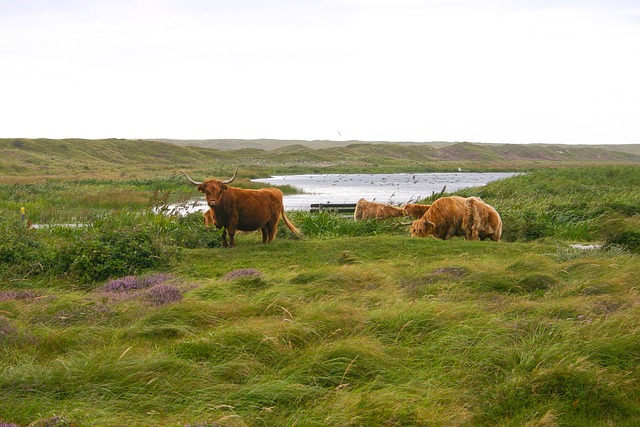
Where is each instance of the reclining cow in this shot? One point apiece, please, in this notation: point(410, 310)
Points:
point(373, 210)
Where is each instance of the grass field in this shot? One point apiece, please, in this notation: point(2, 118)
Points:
point(141, 319)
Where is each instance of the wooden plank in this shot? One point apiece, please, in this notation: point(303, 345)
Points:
point(333, 207)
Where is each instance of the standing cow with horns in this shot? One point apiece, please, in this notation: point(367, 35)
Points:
point(238, 209)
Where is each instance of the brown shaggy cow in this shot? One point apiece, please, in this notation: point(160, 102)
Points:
point(415, 210)
point(209, 220)
point(372, 210)
point(446, 218)
point(484, 222)
point(244, 210)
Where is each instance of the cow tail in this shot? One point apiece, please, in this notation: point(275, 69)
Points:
point(356, 213)
point(472, 219)
point(498, 233)
point(292, 227)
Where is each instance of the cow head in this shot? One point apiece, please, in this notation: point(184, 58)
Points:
point(415, 210)
point(422, 228)
point(212, 188)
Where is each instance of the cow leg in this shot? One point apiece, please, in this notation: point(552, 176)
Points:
point(224, 238)
point(232, 237)
point(475, 234)
point(273, 228)
point(265, 234)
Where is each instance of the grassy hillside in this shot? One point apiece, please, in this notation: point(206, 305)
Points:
point(272, 144)
point(141, 319)
point(24, 160)
point(113, 158)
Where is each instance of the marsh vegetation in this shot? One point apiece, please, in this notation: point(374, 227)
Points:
point(139, 318)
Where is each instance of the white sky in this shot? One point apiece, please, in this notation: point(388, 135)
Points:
point(520, 71)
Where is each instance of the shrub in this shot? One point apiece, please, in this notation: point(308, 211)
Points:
point(105, 253)
point(20, 249)
point(187, 231)
point(242, 273)
point(163, 294)
point(17, 295)
point(115, 245)
point(130, 283)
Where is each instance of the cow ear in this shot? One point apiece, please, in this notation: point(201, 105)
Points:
point(224, 187)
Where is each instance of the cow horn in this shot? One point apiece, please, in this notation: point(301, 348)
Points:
point(230, 180)
point(189, 178)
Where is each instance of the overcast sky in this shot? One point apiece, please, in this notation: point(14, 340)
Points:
point(520, 71)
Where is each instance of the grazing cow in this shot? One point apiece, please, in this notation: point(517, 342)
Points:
point(446, 218)
point(415, 210)
point(372, 210)
point(484, 222)
point(209, 219)
point(237, 209)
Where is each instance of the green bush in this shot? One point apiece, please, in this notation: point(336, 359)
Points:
point(22, 252)
point(114, 245)
point(179, 230)
point(105, 253)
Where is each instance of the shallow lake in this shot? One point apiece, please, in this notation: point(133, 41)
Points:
point(397, 188)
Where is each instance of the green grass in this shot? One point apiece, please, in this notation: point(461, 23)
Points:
point(356, 324)
point(411, 331)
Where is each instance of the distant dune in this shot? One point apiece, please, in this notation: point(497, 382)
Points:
point(272, 144)
point(25, 159)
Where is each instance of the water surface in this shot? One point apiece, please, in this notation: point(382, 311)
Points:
point(397, 188)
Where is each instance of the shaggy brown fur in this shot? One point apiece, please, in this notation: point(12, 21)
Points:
point(372, 210)
point(238, 209)
point(209, 220)
point(484, 222)
point(415, 210)
point(446, 218)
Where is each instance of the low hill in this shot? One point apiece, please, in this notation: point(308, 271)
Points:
point(272, 144)
point(27, 159)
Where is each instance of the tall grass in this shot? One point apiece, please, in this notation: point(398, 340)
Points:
point(414, 332)
point(330, 224)
point(576, 204)
point(355, 324)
